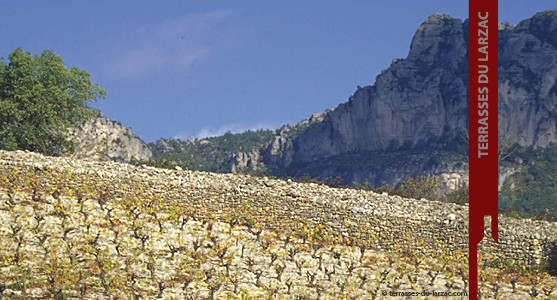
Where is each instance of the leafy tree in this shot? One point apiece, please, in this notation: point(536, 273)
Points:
point(39, 99)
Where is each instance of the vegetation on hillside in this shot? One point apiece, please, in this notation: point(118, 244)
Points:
point(213, 154)
point(39, 99)
point(63, 237)
point(208, 154)
point(532, 192)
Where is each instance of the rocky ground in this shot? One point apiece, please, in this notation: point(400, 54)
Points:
point(104, 230)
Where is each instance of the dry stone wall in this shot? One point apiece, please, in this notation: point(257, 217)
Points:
point(386, 238)
point(386, 220)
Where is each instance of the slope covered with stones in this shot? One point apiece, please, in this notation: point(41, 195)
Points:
point(105, 230)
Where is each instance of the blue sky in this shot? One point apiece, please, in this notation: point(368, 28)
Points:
point(200, 68)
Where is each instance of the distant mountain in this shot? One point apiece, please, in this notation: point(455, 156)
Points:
point(413, 119)
point(229, 153)
point(213, 154)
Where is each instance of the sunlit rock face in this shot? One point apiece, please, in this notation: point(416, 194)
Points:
point(413, 120)
point(103, 139)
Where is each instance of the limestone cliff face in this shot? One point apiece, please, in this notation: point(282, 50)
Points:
point(527, 80)
point(413, 102)
point(409, 121)
point(104, 139)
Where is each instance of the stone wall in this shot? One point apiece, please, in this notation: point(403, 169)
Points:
point(376, 221)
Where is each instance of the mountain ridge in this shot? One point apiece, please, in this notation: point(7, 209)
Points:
point(411, 121)
point(421, 102)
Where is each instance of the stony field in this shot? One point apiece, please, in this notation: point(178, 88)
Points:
point(77, 229)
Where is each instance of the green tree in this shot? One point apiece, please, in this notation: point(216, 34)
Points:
point(40, 99)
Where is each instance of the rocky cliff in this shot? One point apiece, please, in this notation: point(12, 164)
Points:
point(413, 119)
point(104, 139)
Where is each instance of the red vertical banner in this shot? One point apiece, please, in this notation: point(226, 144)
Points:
point(483, 128)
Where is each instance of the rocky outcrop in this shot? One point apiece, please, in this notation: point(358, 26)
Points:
point(527, 80)
point(413, 119)
point(246, 161)
point(103, 139)
point(413, 102)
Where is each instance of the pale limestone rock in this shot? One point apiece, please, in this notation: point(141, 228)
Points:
point(406, 122)
point(104, 139)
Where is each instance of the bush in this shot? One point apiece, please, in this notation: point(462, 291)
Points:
point(415, 188)
point(421, 187)
point(458, 196)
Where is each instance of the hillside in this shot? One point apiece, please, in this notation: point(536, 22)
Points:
point(413, 119)
point(532, 190)
point(212, 154)
point(104, 230)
